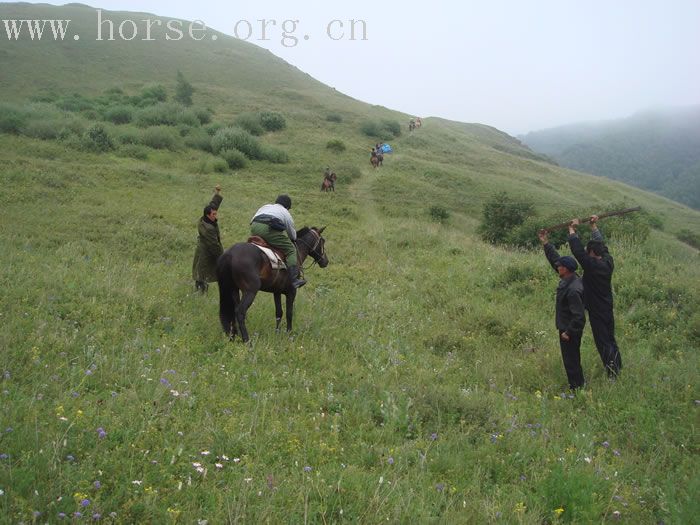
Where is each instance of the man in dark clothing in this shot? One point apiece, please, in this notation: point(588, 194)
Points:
point(598, 266)
point(570, 316)
point(209, 247)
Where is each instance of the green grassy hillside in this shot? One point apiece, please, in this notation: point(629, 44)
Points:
point(422, 381)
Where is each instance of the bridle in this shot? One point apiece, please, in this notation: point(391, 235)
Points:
point(313, 248)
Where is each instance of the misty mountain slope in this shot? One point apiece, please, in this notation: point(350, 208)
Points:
point(655, 150)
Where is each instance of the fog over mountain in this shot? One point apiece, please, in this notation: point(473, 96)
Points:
point(657, 150)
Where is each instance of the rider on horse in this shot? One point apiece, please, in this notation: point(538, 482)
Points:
point(270, 222)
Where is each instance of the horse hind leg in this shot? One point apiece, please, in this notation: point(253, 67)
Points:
point(242, 310)
point(228, 303)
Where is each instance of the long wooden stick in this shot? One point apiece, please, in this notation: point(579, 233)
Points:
point(601, 216)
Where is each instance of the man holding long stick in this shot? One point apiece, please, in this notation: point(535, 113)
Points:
point(598, 266)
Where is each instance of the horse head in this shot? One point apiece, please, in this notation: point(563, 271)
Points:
point(314, 244)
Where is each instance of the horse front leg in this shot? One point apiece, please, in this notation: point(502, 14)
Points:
point(290, 308)
point(278, 311)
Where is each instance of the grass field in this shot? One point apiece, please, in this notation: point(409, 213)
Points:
point(422, 381)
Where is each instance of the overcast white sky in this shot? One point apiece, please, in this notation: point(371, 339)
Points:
point(519, 65)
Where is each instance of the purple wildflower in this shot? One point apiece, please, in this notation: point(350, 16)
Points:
point(440, 487)
point(165, 382)
point(36, 513)
point(70, 457)
point(6, 375)
point(523, 477)
point(96, 516)
point(390, 460)
point(605, 444)
point(114, 394)
point(78, 514)
point(307, 468)
point(85, 502)
point(75, 394)
point(101, 433)
point(61, 515)
point(433, 436)
point(4, 456)
point(616, 452)
point(9, 429)
point(97, 484)
point(88, 372)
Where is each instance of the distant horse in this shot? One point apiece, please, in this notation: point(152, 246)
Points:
point(374, 160)
point(411, 125)
point(245, 268)
point(328, 183)
point(380, 158)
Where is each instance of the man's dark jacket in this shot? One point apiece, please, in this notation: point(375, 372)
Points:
point(570, 314)
point(597, 276)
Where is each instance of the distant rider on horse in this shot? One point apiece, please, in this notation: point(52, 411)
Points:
point(270, 222)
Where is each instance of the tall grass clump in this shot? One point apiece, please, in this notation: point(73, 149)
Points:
point(12, 118)
point(97, 139)
point(501, 214)
point(234, 158)
point(272, 121)
point(239, 139)
point(199, 139)
point(161, 137)
point(334, 117)
point(251, 123)
point(383, 130)
point(336, 145)
point(166, 114)
point(121, 114)
point(274, 155)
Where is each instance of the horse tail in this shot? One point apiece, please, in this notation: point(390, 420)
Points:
point(228, 295)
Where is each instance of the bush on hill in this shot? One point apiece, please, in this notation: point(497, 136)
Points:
point(251, 123)
point(199, 139)
point(501, 214)
point(384, 130)
point(272, 121)
point(121, 114)
point(334, 117)
point(162, 137)
point(166, 114)
point(151, 94)
point(12, 118)
point(97, 140)
point(336, 145)
point(439, 214)
point(234, 158)
point(274, 155)
point(237, 138)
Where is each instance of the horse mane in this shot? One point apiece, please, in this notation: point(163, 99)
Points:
point(303, 231)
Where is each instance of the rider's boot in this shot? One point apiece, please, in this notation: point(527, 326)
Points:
point(294, 276)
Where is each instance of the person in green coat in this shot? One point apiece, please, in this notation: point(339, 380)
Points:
point(209, 247)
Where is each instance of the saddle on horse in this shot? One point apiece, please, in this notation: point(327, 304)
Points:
point(275, 255)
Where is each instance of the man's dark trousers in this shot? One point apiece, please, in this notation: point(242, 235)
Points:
point(603, 328)
point(571, 355)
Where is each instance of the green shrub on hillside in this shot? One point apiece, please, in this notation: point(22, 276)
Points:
point(12, 118)
point(334, 117)
point(384, 130)
point(128, 135)
point(439, 214)
point(212, 165)
point(74, 103)
point(42, 129)
point(234, 158)
point(166, 114)
point(183, 90)
point(161, 137)
point(121, 114)
point(501, 215)
point(272, 121)
point(152, 94)
point(237, 138)
point(97, 140)
point(212, 128)
point(336, 145)
point(274, 155)
point(251, 123)
point(203, 115)
point(199, 139)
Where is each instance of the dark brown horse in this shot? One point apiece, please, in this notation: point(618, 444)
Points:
point(245, 268)
point(328, 183)
point(374, 161)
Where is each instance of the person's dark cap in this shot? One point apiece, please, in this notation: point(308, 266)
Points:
point(285, 201)
point(568, 262)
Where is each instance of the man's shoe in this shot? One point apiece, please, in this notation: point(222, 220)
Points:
point(294, 276)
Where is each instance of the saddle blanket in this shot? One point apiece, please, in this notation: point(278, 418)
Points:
point(275, 261)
